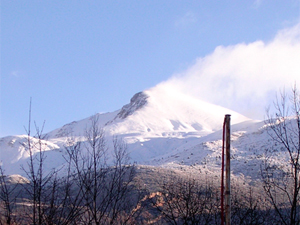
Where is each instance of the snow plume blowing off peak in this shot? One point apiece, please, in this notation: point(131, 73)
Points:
point(244, 77)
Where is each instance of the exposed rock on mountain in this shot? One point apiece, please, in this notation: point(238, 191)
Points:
point(136, 102)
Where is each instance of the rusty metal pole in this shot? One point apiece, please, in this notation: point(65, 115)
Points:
point(222, 175)
point(227, 186)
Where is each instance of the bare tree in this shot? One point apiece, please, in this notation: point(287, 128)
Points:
point(8, 195)
point(37, 189)
point(187, 201)
point(89, 166)
point(249, 205)
point(88, 190)
point(104, 187)
point(281, 183)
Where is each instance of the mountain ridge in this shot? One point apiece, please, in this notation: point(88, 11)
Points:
point(157, 125)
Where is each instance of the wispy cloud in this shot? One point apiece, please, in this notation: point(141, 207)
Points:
point(186, 20)
point(15, 73)
point(257, 3)
point(244, 77)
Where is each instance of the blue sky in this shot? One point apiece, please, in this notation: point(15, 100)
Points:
point(77, 58)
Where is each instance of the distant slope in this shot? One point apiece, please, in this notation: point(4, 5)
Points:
point(14, 154)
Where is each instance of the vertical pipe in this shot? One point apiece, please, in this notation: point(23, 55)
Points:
point(222, 176)
point(227, 187)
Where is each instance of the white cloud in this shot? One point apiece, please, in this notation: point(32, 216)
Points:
point(244, 77)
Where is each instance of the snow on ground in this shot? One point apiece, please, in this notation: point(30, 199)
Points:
point(204, 153)
point(16, 179)
point(161, 128)
point(14, 152)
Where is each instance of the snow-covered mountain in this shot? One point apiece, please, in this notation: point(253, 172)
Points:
point(161, 127)
point(158, 113)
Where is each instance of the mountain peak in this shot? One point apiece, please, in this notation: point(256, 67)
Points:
point(165, 112)
point(136, 103)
